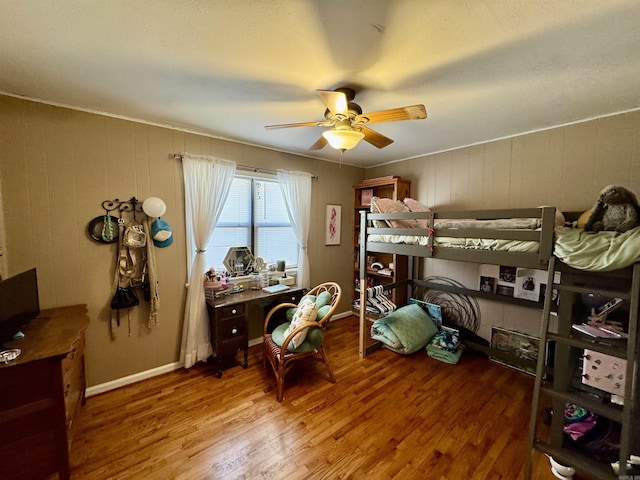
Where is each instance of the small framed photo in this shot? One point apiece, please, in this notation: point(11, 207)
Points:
point(507, 274)
point(333, 218)
point(505, 290)
point(487, 284)
point(529, 284)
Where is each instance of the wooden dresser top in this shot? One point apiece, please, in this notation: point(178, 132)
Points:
point(51, 334)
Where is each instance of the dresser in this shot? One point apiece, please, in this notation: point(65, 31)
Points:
point(229, 321)
point(42, 391)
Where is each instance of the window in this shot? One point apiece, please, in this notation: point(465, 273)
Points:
point(254, 216)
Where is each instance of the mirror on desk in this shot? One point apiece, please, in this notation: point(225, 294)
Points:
point(239, 261)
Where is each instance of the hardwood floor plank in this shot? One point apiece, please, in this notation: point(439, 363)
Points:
point(389, 416)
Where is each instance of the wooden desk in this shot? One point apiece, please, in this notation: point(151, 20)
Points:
point(41, 392)
point(229, 320)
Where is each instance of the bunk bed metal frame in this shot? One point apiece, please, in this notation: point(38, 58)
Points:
point(537, 260)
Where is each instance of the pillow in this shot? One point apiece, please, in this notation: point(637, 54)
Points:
point(313, 340)
point(559, 219)
point(305, 312)
point(583, 218)
point(416, 206)
point(374, 209)
point(321, 301)
point(322, 311)
point(387, 205)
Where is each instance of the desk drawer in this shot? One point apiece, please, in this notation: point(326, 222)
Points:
point(233, 310)
point(230, 328)
point(288, 297)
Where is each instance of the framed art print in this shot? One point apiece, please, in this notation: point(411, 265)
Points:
point(333, 218)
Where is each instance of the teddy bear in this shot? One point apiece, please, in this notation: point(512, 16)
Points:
point(616, 210)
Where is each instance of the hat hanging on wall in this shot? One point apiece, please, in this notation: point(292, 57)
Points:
point(154, 207)
point(161, 233)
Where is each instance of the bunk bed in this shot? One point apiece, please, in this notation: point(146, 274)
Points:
point(525, 237)
point(606, 264)
point(510, 237)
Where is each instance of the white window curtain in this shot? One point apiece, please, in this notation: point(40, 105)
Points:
point(207, 182)
point(296, 189)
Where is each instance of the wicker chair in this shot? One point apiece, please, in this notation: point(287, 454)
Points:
point(278, 349)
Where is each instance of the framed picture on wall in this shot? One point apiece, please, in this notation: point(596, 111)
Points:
point(333, 218)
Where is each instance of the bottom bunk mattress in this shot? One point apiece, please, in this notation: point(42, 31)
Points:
point(406, 330)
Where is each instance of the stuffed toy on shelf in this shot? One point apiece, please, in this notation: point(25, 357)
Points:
point(615, 210)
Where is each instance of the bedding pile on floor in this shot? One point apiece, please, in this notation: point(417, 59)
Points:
point(406, 330)
point(446, 347)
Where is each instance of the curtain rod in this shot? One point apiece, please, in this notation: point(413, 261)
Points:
point(178, 156)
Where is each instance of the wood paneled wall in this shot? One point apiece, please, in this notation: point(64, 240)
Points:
point(565, 167)
point(56, 168)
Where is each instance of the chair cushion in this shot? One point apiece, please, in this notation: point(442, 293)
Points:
point(312, 341)
point(305, 312)
point(322, 302)
point(322, 311)
point(323, 299)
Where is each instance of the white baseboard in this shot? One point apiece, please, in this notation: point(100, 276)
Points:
point(136, 377)
point(338, 316)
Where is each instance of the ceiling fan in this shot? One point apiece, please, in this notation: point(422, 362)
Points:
point(349, 123)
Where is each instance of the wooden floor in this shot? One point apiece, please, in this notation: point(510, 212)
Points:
point(388, 416)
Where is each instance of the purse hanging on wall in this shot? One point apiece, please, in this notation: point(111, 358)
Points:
point(132, 240)
point(125, 297)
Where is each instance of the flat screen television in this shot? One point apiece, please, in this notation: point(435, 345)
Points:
point(19, 303)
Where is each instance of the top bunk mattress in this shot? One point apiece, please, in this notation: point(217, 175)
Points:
point(597, 252)
point(495, 244)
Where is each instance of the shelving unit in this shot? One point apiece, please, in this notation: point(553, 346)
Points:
point(561, 378)
point(395, 188)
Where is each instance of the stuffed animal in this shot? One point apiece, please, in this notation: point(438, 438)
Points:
point(616, 210)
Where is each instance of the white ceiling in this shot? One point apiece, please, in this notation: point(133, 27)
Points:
point(484, 69)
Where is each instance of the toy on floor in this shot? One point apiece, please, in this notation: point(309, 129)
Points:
point(561, 471)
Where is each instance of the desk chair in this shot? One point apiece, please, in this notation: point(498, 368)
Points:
point(278, 346)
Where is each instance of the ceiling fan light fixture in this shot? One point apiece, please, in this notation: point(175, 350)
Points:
point(343, 139)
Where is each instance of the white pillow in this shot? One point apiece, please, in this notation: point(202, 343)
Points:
point(307, 311)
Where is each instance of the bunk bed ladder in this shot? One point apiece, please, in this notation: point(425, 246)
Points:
point(542, 351)
point(627, 415)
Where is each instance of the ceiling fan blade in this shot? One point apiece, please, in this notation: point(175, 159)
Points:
point(374, 138)
point(412, 112)
point(336, 102)
point(319, 145)
point(289, 125)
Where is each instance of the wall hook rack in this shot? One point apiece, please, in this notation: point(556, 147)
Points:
point(104, 228)
point(131, 205)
